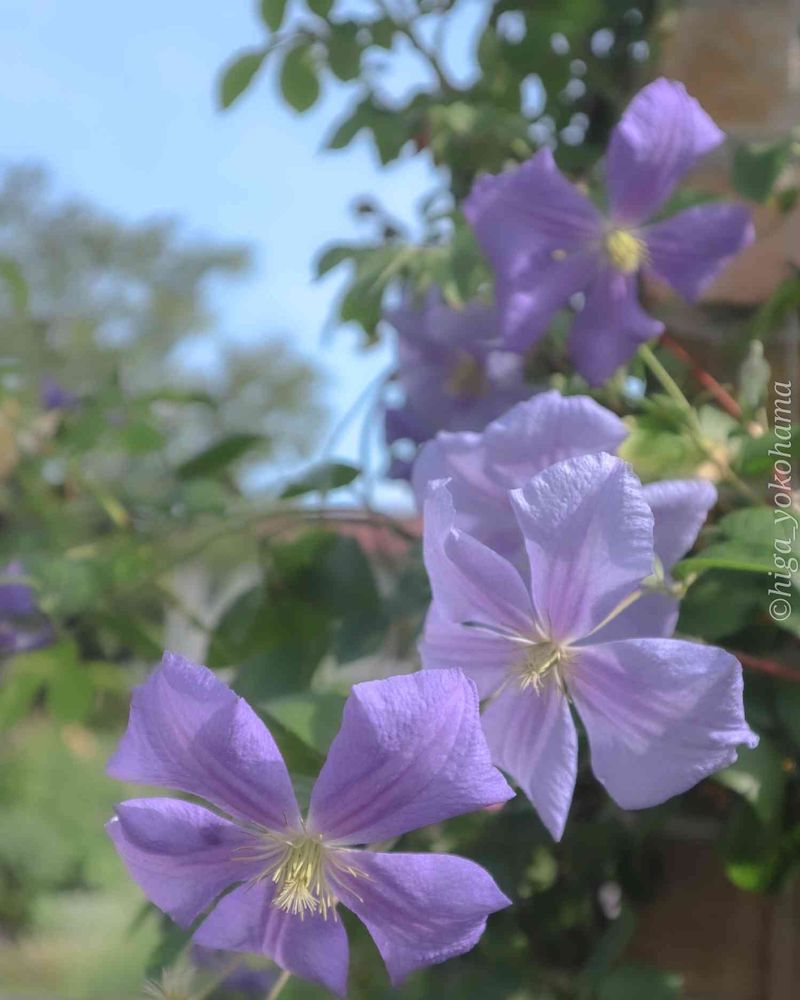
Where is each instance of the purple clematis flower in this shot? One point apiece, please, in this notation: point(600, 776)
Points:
point(483, 467)
point(53, 395)
point(410, 752)
point(453, 372)
point(22, 627)
point(661, 714)
point(546, 241)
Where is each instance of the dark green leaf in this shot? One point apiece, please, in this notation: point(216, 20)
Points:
point(219, 456)
point(298, 78)
point(238, 75)
point(322, 479)
point(273, 13)
point(344, 51)
point(320, 7)
point(757, 166)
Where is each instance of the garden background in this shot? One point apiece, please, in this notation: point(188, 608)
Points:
point(205, 210)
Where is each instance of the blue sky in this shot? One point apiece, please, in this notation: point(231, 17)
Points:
point(118, 100)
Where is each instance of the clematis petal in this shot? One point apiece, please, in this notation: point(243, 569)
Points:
point(311, 948)
point(524, 214)
point(649, 616)
point(680, 508)
point(187, 730)
point(529, 301)
point(470, 582)
point(661, 714)
point(529, 437)
point(608, 330)
point(545, 430)
point(661, 135)
point(483, 656)
point(410, 752)
point(422, 909)
point(181, 855)
point(690, 249)
point(532, 736)
point(589, 537)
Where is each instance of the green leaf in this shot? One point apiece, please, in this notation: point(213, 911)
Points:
point(13, 278)
point(322, 479)
point(219, 456)
point(298, 78)
point(757, 166)
point(344, 51)
point(273, 13)
point(754, 454)
point(17, 695)
point(311, 717)
point(383, 32)
point(320, 7)
point(633, 982)
point(238, 75)
point(720, 603)
point(335, 255)
point(758, 776)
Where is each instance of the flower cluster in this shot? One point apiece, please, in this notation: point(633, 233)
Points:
point(550, 567)
point(565, 606)
point(546, 241)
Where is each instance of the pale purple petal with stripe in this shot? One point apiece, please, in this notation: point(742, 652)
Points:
point(483, 656)
point(312, 948)
point(470, 582)
point(661, 715)
point(410, 752)
point(589, 538)
point(690, 249)
point(661, 135)
point(422, 909)
point(532, 737)
point(181, 855)
point(608, 330)
point(188, 731)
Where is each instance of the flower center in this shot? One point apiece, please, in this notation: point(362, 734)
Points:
point(625, 250)
point(304, 870)
point(466, 378)
point(541, 660)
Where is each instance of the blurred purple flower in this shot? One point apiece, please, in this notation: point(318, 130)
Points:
point(410, 752)
point(661, 714)
point(53, 395)
point(546, 241)
point(453, 373)
point(482, 468)
point(22, 627)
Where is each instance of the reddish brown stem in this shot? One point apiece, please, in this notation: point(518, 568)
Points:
point(767, 666)
point(708, 382)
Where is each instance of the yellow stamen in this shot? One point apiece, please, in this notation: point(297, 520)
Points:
point(541, 659)
point(625, 250)
point(466, 378)
point(304, 871)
